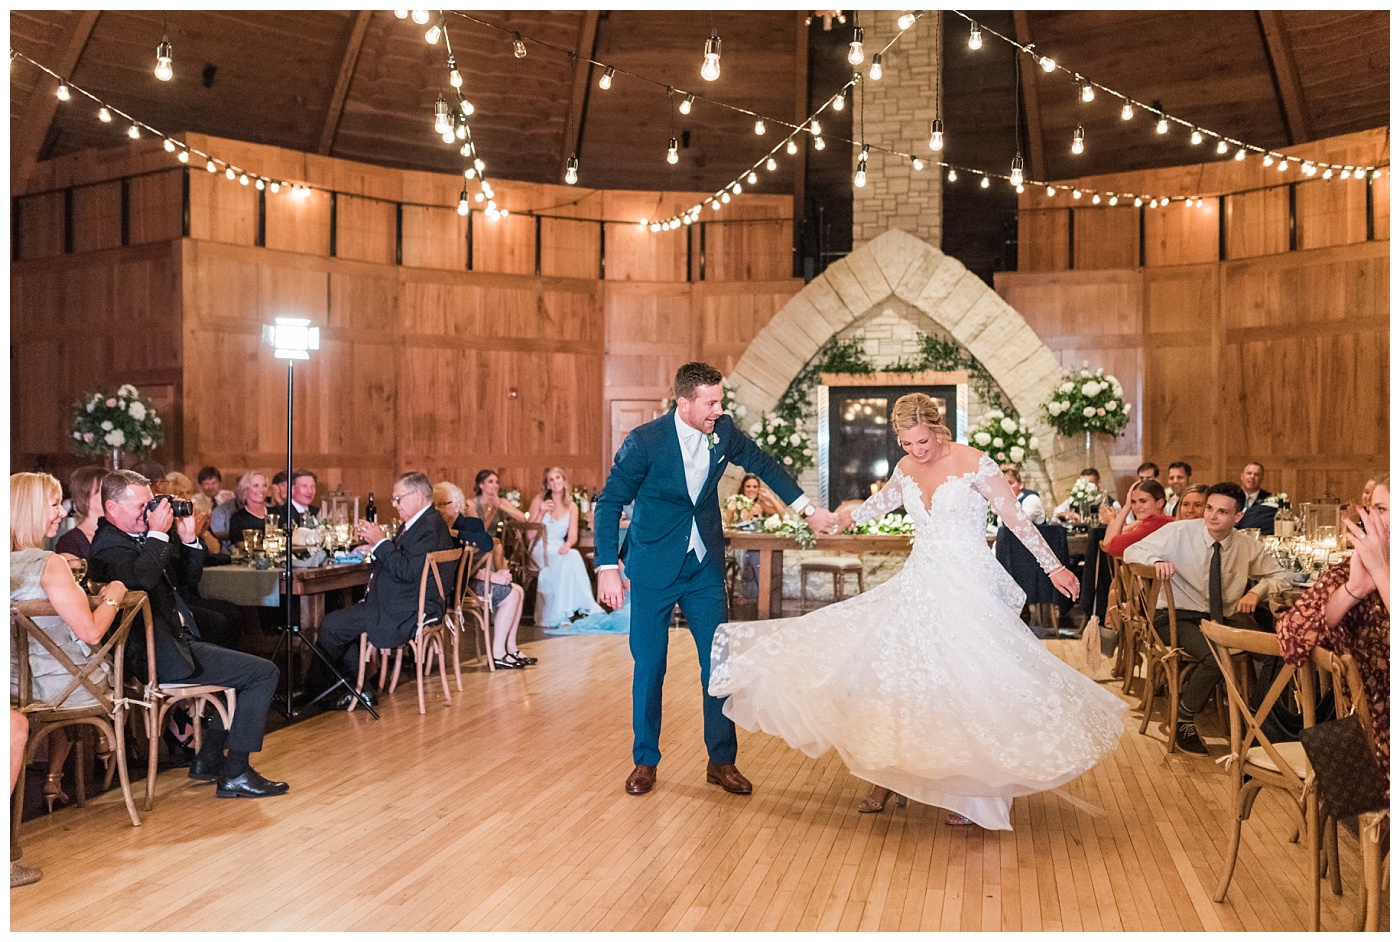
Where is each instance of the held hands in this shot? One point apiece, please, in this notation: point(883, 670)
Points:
point(1066, 582)
point(844, 519)
point(610, 588)
point(822, 521)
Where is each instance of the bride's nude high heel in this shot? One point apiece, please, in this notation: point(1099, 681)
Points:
point(959, 820)
point(870, 804)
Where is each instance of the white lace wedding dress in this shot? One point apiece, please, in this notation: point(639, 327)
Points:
point(929, 684)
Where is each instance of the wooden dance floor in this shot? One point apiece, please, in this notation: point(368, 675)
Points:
point(505, 811)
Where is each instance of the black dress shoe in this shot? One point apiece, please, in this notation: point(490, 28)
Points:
point(344, 700)
point(206, 770)
point(249, 785)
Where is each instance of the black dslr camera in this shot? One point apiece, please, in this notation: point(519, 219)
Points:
point(179, 508)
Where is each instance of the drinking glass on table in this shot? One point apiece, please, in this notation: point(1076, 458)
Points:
point(252, 540)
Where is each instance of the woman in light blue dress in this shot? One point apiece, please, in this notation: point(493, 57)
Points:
point(563, 590)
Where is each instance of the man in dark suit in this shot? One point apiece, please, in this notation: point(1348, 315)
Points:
point(389, 611)
point(1257, 514)
point(133, 545)
point(670, 468)
point(301, 498)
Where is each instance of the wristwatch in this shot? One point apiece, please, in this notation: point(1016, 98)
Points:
point(809, 510)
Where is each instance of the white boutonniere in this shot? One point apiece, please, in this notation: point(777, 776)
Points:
point(712, 439)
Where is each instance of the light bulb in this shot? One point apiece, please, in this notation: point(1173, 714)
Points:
point(819, 144)
point(791, 146)
point(228, 172)
point(480, 165)
point(1096, 199)
point(183, 156)
point(243, 179)
point(104, 115)
point(62, 92)
point(714, 204)
point(1086, 90)
point(709, 71)
point(420, 17)
point(1196, 136)
point(401, 14)
point(453, 76)
point(1268, 160)
point(974, 38)
point(772, 164)
point(935, 140)
point(469, 173)
point(1017, 166)
point(1127, 111)
point(752, 178)
point(1283, 165)
point(467, 107)
point(1078, 146)
point(816, 128)
point(986, 182)
point(655, 227)
point(209, 165)
point(685, 105)
point(464, 204)
point(1221, 147)
point(760, 128)
point(133, 132)
point(433, 34)
point(860, 175)
point(169, 146)
point(857, 52)
point(1020, 188)
point(1346, 173)
point(1240, 154)
point(1138, 201)
point(1113, 201)
point(1047, 63)
point(952, 175)
point(480, 197)
point(448, 136)
point(1161, 123)
point(877, 68)
point(571, 170)
point(918, 164)
point(907, 19)
point(518, 45)
point(164, 63)
point(274, 186)
point(460, 132)
point(737, 188)
point(1076, 193)
point(839, 102)
point(724, 197)
point(1049, 190)
point(259, 183)
point(672, 154)
point(605, 82)
point(1152, 205)
point(441, 122)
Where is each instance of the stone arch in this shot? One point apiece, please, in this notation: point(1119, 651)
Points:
point(898, 265)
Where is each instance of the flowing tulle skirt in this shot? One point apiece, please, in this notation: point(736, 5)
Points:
point(928, 684)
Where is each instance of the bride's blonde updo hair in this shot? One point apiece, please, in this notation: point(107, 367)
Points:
point(916, 409)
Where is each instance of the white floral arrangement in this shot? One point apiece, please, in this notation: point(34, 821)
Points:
point(1274, 500)
point(738, 502)
point(511, 494)
point(1005, 438)
point(787, 442)
point(1087, 402)
point(793, 527)
point(893, 524)
point(1084, 491)
point(124, 419)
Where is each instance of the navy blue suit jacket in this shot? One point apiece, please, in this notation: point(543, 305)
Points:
point(649, 472)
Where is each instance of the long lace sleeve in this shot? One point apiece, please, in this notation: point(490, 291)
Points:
point(883, 501)
point(990, 483)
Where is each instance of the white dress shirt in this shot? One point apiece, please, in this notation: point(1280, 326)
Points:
point(1032, 506)
point(411, 521)
point(1186, 544)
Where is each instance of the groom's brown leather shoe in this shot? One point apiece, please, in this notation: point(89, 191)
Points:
point(728, 778)
point(641, 780)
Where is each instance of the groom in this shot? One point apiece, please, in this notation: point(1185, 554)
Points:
point(670, 468)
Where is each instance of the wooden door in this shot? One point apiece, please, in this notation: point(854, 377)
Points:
point(627, 414)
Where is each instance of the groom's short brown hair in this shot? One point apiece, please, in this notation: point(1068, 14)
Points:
point(691, 375)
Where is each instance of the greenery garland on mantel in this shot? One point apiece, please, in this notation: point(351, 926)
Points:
point(849, 356)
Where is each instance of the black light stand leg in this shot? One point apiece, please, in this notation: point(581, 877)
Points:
point(291, 631)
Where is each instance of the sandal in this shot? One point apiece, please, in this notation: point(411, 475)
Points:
point(53, 791)
point(872, 805)
point(958, 820)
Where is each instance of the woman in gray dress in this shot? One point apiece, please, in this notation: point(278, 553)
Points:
point(36, 507)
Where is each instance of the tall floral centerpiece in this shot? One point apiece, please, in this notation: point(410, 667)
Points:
point(1005, 438)
point(111, 424)
point(1085, 403)
point(787, 442)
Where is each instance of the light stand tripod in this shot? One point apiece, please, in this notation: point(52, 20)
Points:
point(291, 339)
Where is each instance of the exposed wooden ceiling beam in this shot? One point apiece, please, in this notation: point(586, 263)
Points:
point(42, 105)
point(336, 105)
point(578, 96)
point(1290, 88)
point(1030, 90)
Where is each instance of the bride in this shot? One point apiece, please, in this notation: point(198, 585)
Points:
point(929, 685)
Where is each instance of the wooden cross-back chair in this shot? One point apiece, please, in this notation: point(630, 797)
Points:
point(426, 643)
point(1161, 660)
point(519, 540)
point(467, 605)
point(1255, 761)
point(1349, 696)
point(107, 713)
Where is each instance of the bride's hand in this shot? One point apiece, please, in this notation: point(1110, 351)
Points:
point(1066, 582)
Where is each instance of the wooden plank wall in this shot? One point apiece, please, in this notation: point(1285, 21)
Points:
point(424, 364)
point(1235, 351)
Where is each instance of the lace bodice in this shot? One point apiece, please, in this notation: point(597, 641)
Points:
point(957, 510)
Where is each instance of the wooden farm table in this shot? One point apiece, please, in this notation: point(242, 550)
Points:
point(770, 558)
point(244, 585)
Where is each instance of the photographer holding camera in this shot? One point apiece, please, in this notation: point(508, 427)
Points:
point(133, 545)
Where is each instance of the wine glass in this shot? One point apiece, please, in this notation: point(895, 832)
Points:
point(80, 571)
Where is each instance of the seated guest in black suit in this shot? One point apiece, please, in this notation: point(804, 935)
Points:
point(133, 546)
point(302, 499)
point(507, 598)
point(250, 501)
point(389, 609)
point(1257, 514)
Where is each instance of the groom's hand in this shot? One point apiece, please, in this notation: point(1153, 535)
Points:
point(822, 521)
point(610, 588)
